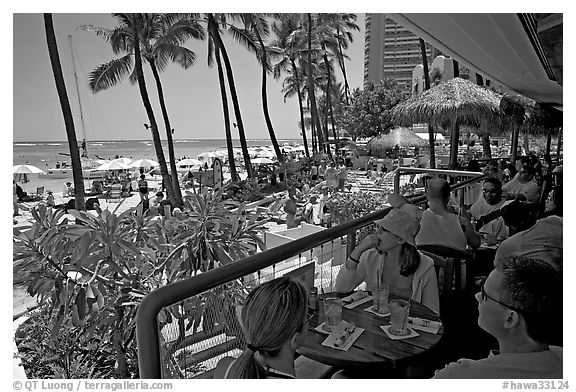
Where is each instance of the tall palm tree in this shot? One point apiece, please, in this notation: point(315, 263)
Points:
point(256, 27)
point(161, 41)
point(288, 41)
point(344, 24)
point(214, 51)
point(426, 87)
point(311, 94)
point(128, 38)
point(66, 112)
point(214, 20)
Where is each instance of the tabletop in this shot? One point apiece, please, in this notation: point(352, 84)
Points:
point(373, 347)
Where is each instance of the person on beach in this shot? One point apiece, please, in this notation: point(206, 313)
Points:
point(439, 226)
point(322, 170)
point(390, 256)
point(290, 208)
point(67, 190)
point(50, 199)
point(331, 175)
point(274, 320)
point(520, 304)
point(311, 210)
point(16, 211)
point(323, 209)
point(313, 173)
point(143, 188)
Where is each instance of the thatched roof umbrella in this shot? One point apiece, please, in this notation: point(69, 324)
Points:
point(455, 102)
point(401, 137)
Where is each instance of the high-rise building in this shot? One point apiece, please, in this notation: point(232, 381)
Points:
point(391, 52)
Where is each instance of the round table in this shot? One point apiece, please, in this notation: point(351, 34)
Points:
point(373, 347)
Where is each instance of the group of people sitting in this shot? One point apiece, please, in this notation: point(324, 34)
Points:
point(520, 302)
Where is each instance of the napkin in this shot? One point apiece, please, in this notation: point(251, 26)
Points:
point(356, 299)
point(371, 310)
point(321, 329)
point(424, 325)
point(340, 331)
point(396, 337)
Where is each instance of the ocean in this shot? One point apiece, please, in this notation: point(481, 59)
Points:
point(45, 154)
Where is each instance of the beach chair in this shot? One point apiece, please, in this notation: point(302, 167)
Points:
point(40, 191)
point(115, 193)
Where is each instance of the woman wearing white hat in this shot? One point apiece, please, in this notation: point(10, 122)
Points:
point(391, 256)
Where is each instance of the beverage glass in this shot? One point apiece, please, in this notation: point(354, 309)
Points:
point(380, 295)
point(399, 306)
point(333, 309)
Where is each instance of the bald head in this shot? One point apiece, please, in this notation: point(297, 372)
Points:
point(438, 189)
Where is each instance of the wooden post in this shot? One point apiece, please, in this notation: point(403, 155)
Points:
point(454, 139)
point(514, 143)
point(548, 142)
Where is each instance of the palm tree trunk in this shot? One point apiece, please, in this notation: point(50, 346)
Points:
point(431, 139)
point(265, 105)
point(526, 142)
point(229, 146)
point(234, 95)
point(548, 142)
point(329, 106)
point(514, 143)
point(302, 125)
point(66, 112)
point(486, 150)
point(454, 138)
point(150, 114)
point(175, 180)
point(343, 68)
point(311, 95)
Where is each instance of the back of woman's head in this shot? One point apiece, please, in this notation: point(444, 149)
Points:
point(409, 259)
point(272, 314)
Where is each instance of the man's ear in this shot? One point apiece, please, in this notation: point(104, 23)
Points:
point(297, 340)
point(512, 319)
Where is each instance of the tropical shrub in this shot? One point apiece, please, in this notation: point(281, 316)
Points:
point(90, 275)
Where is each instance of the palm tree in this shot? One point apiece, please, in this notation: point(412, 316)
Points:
point(289, 42)
point(311, 94)
point(214, 48)
point(66, 112)
point(256, 27)
point(344, 26)
point(161, 42)
point(213, 20)
point(426, 87)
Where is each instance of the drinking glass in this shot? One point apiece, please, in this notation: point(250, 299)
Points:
point(399, 305)
point(333, 309)
point(380, 295)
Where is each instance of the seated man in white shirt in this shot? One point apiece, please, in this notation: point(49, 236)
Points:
point(523, 187)
point(520, 304)
point(490, 202)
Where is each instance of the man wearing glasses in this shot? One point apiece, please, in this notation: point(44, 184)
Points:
point(520, 304)
point(490, 201)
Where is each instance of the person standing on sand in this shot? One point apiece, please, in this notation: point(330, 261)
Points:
point(143, 188)
point(331, 177)
point(290, 209)
point(15, 198)
point(342, 177)
point(50, 199)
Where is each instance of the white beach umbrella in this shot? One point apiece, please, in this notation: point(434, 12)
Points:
point(144, 162)
point(209, 154)
point(124, 160)
point(189, 162)
point(261, 161)
point(266, 154)
point(113, 166)
point(221, 153)
point(26, 169)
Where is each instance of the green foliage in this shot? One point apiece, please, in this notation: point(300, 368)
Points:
point(344, 207)
point(369, 111)
point(90, 275)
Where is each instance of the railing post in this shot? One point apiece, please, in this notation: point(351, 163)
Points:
point(350, 242)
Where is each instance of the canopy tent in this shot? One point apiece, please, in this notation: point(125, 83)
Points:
point(114, 166)
point(189, 162)
point(124, 160)
point(26, 169)
point(144, 162)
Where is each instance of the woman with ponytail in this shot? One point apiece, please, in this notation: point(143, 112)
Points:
point(274, 320)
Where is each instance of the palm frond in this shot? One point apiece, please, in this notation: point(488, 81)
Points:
point(109, 74)
point(246, 38)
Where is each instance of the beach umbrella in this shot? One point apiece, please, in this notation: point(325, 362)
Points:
point(26, 169)
point(144, 162)
point(126, 161)
point(455, 102)
point(209, 154)
point(266, 154)
point(401, 137)
point(113, 166)
point(189, 162)
point(262, 161)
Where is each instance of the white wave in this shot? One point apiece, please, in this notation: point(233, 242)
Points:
point(25, 144)
point(53, 144)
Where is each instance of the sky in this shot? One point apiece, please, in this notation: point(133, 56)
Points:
point(192, 96)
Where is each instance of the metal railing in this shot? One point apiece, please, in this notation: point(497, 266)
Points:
point(153, 351)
